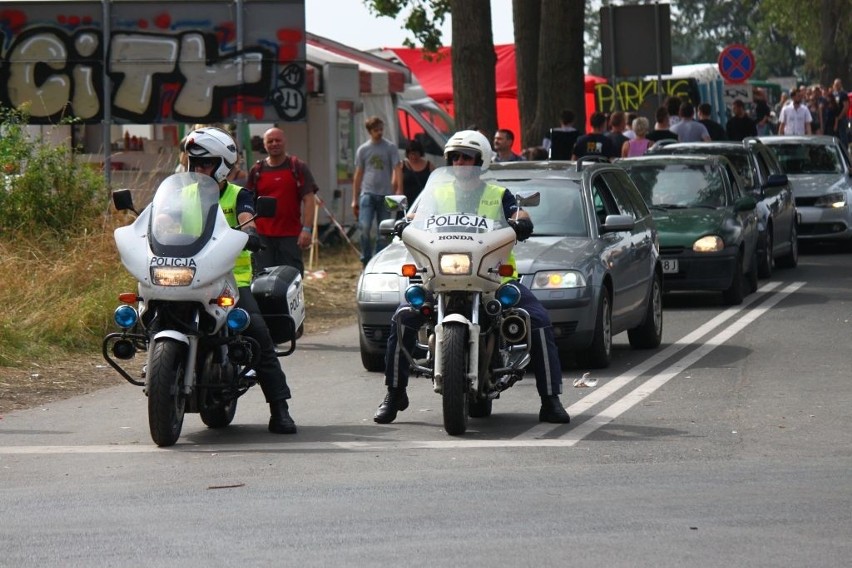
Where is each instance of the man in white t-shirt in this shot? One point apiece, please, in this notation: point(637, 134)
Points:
point(795, 119)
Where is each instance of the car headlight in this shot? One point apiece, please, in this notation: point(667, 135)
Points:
point(172, 275)
point(558, 279)
point(380, 283)
point(710, 243)
point(455, 263)
point(831, 200)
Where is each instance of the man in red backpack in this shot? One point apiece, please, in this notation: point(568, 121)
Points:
point(289, 180)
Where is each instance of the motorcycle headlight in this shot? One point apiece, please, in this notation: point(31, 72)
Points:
point(834, 200)
point(415, 295)
point(558, 279)
point(238, 320)
point(125, 316)
point(172, 275)
point(710, 243)
point(454, 264)
point(508, 295)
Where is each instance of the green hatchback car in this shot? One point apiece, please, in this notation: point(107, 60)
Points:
point(707, 224)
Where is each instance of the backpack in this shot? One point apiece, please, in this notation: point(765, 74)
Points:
point(296, 168)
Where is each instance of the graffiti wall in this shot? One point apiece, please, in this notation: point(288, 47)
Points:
point(154, 62)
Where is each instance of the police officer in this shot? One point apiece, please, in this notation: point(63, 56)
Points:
point(212, 151)
point(471, 148)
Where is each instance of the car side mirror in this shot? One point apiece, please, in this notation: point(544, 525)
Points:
point(617, 223)
point(386, 226)
point(776, 180)
point(745, 203)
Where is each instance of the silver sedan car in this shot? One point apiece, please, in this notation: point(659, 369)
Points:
point(821, 175)
point(593, 262)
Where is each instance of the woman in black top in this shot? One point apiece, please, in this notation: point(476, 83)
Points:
point(415, 171)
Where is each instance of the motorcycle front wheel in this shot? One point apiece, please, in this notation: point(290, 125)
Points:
point(166, 398)
point(454, 366)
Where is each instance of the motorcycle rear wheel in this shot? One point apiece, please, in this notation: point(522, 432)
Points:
point(166, 398)
point(454, 368)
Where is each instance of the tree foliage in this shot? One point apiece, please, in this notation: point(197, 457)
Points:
point(45, 191)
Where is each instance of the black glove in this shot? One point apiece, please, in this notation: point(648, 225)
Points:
point(253, 244)
point(523, 228)
point(400, 226)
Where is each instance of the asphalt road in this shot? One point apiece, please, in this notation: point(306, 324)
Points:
point(729, 445)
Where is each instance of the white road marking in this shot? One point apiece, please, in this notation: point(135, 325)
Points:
point(530, 438)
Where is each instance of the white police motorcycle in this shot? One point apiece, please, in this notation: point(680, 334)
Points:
point(182, 252)
point(476, 338)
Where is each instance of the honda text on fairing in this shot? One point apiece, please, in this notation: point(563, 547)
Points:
point(182, 252)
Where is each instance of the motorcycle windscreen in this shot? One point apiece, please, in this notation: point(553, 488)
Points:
point(456, 200)
point(183, 214)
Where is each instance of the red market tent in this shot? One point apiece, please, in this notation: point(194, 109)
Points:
point(436, 78)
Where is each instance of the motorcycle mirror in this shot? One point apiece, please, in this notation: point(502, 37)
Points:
point(528, 198)
point(394, 202)
point(265, 206)
point(123, 200)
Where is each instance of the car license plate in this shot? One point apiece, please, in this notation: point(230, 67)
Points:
point(670, 266)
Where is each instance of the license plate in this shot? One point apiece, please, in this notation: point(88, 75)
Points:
point(670, 266)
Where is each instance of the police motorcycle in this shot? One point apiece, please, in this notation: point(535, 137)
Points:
point(475, 342)
point(183, 316)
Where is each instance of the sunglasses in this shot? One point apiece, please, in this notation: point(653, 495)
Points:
point(203, 163)
point(458, 156)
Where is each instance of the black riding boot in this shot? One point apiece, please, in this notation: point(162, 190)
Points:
point(395, 401)
point(552, 411)
point(281, 422)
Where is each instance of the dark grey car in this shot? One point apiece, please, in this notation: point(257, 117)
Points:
point(593, 262)
point(763, 177)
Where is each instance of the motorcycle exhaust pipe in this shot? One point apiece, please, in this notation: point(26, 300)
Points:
point(514, 329)
point(123, 349)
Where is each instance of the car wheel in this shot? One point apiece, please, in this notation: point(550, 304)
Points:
point(649, 335)
point(597, 355)
point(791, 259)
point(734, 295)
point(372, 361)
point(751, 275)
point(764, 259)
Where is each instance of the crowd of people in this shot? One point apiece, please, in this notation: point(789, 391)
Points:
point(805, 110)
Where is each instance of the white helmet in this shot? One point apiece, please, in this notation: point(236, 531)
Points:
point(211, 142)
point(472, 143)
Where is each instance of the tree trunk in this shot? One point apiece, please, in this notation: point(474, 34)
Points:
point(473, 59)
point(834, 43)
point(561, 77)
point(526, 18)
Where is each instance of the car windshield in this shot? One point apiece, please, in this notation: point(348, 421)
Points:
point(457, 200)
point(808, 158)
point(560, 212)
point(738, 159)
point(675, 186)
